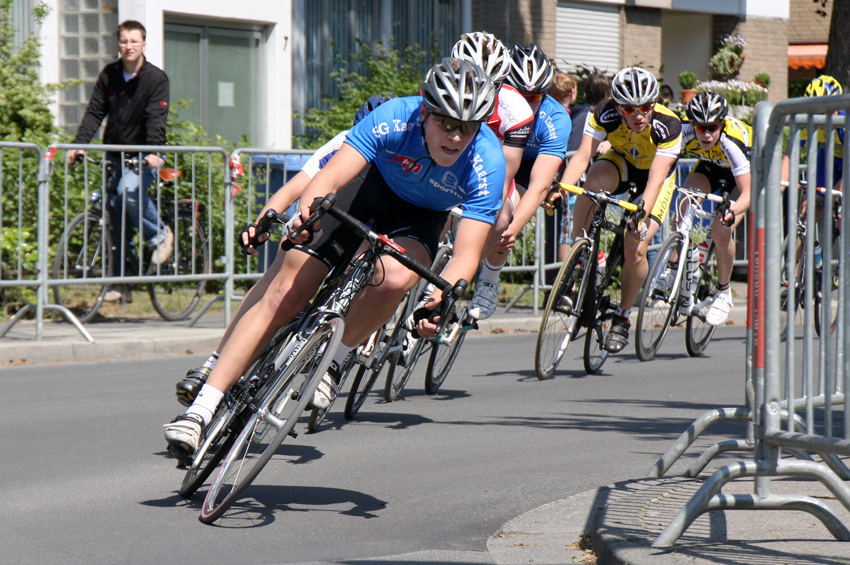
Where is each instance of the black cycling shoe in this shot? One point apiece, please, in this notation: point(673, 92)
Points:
point(618, 337)
point(188, 388)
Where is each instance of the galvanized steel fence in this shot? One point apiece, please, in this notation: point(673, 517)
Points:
point(65, 245)
point(796, 415)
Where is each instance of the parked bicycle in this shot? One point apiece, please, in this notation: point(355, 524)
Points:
point(257, 415)
point(86, 253)
point(578, 296)
point(681, 288)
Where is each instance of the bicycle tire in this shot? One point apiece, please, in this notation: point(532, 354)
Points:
point(176, 300)
point(657, 305)
point(595, 354)
point(799, 283)
point(360, 389)
point(317, 415)
point(559, 323)
point(698, 332)
point(440, 363)
point(84, 251)
point(281, 402)
point(829, 286)
point(225, 423)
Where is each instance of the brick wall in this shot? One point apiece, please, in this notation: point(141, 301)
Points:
point(766, 51)
point(808, 26)
point(641, 38)
point(528, 21)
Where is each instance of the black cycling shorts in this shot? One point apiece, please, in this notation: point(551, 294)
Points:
point(715, 174)
point(370, 199)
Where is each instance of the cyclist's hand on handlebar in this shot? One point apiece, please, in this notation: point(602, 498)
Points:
point(641, 231)
point(506, 241)
point(155, 161)
point(726, 216)
point(74, 155)
point(251, 240)
point(425, 318)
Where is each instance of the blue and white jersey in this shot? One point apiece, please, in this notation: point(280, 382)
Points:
point(323, 154)
point(392, 138)
point(550, 131)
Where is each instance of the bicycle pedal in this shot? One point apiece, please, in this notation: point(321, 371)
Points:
point(293, 434)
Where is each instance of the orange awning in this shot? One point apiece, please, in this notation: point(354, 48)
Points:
point(807, 56)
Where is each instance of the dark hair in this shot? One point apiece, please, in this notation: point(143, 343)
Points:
point(597, 88)
point(131, 25)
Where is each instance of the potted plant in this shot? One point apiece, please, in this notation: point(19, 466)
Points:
point(688, 82)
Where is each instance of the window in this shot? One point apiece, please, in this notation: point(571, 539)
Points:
point(217, 72)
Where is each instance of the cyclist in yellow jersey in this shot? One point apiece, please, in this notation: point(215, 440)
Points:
point(723, 146)
point(645, 142)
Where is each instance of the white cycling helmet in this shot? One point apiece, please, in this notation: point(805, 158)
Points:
point(460, 90)
point(531, 72)
point(634, 86)
point(486, 51)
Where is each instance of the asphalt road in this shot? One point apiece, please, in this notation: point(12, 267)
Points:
point(86, 479)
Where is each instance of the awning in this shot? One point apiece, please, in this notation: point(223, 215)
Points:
point(807, 56)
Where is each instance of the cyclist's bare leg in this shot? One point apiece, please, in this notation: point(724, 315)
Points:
point(254, 294)
point(602, 175)
point(375, 305)
point(635, 265)
point(288, 293)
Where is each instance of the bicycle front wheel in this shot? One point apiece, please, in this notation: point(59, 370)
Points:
point(441, 360)
point(698, 332)
point(281, 402)
point(559, 324)
point(83, 252)
point(595, 353)
point(230, 417)
point(828, 290)
point(657, 300)
point(796, 288)
point(175, 299)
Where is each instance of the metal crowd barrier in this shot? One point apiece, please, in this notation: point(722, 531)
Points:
point(795, 406)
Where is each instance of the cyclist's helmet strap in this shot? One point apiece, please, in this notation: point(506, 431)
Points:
point(370, 105)
point(531, 71)
point(707, 108)
point(634, 86)
point(824, 85)
point(486, 51)
point(459, 89)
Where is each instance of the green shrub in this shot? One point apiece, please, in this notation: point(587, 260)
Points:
point(687, 80)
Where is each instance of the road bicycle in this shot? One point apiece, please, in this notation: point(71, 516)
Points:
point(790, 312)
point(257, 416)
point(395, 347)
point(578, 297)
point(674, 287)
point(85, 251)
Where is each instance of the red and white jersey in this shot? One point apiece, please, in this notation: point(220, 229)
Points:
point(512, 119)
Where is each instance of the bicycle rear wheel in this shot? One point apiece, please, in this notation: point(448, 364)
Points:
point(657, 302)
point(796, 293)
point(698, 332)
point(563, 307)
point(281, 402)
point(829, 289)
point(83, 252)
point(230, 417)
point(174, 299)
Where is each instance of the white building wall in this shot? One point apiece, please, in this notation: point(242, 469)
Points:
point(685, 45)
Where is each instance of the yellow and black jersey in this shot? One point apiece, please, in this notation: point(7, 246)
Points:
point(732, 150)
point(663, 135)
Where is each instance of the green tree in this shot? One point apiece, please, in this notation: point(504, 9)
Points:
point(388, 71)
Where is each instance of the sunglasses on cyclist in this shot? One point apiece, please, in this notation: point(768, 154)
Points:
point(707, 128)
point(632, 110)
point(448, 124)
point(532, 98)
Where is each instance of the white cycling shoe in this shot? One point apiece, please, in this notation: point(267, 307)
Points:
point(485, 299)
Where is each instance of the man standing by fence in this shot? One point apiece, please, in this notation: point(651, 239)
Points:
point(133, 95)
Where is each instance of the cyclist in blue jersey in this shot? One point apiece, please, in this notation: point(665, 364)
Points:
point(531, 75)
point(428, 154)
point(282, 199)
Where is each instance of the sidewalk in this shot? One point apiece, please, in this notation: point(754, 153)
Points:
point(150, 337)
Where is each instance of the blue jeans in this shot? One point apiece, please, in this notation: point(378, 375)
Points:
point(125, 188)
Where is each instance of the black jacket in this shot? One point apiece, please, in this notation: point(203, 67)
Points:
point(136, 110)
